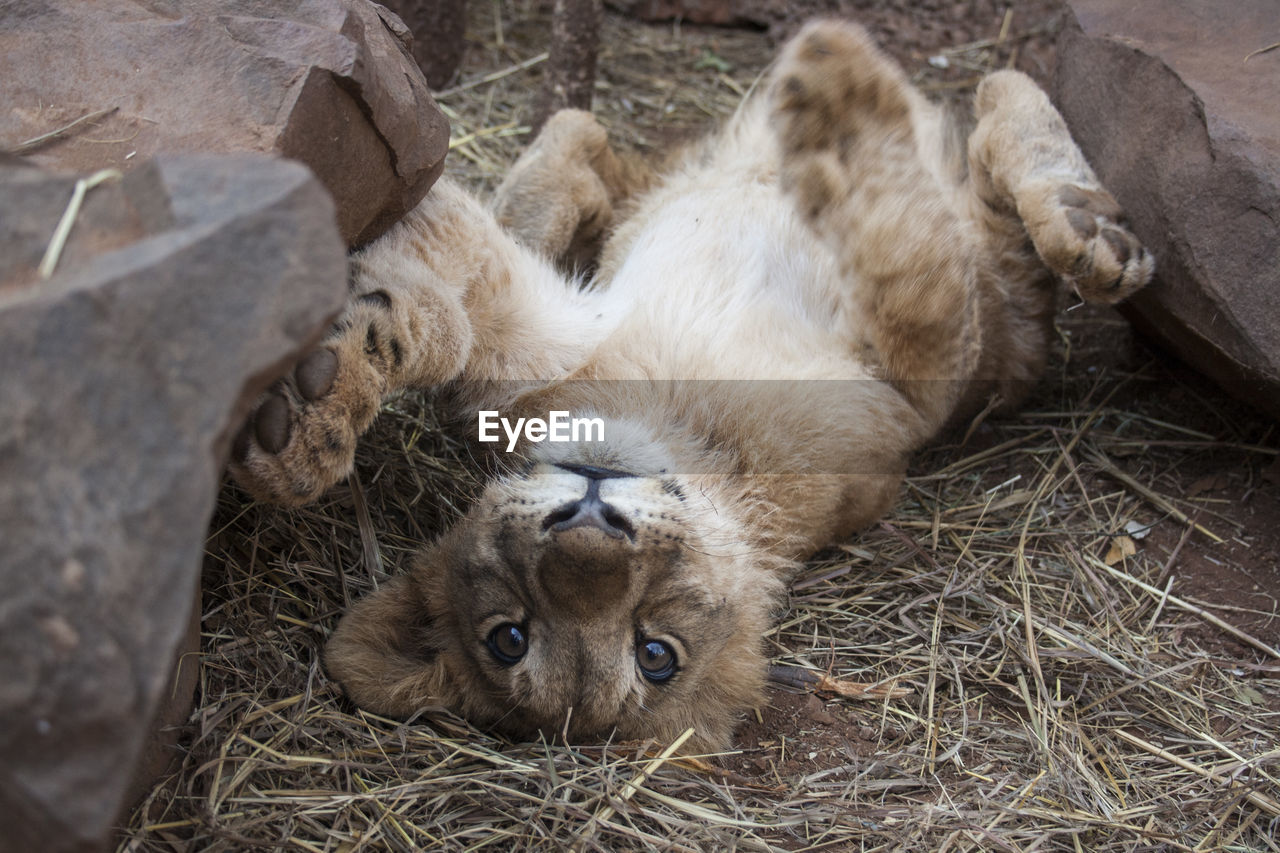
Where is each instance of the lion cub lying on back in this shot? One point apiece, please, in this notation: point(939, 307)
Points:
point(777, 323)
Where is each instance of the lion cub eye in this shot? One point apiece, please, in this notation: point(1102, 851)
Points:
point(657, 660)
point(507, 643)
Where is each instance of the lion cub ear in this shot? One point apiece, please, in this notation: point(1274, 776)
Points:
point(383, 655)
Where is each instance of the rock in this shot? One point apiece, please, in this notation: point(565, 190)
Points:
point(162, 752)
point(439, 28)
point(327, 82)
point(1181, 125)
point(186, 287)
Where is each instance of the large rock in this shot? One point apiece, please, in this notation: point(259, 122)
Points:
point(1182, 124)
point(327, 82)
point(185, 288)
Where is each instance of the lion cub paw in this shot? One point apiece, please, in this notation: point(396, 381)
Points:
point(844, 114)
point(1080, 236)
point(832, 84)
point(301, 438)
point(554, 200)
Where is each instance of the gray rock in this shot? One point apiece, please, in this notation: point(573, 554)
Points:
point(1182, 126)
point(185, 289)
point(327, 82)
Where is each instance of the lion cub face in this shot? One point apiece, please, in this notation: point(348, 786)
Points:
point(571, 599)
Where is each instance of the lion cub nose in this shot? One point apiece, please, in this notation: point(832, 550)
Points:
point(591, 511)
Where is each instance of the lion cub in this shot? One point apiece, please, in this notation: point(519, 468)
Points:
point(775, 323)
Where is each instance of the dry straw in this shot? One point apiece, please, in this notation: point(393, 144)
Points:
point(1055, 702)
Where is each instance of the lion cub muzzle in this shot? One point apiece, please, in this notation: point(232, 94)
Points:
point(590, 511)
point(587, 562)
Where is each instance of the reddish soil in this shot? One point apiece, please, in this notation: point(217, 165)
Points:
point(1237, 490)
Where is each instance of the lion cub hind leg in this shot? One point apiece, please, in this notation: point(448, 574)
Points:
point(847, 120)
point(1022, 157)
point(560, 198)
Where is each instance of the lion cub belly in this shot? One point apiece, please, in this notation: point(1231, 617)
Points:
point(725, 281)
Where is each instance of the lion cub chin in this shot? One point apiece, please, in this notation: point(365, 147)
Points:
point(776, 322)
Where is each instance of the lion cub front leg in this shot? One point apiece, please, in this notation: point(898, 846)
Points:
point(1024, 162)
point(446, 295)
point(562, 195)
point(402, 327)
point(847, 121)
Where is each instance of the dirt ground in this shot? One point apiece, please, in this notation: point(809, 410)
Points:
point(1081, 598)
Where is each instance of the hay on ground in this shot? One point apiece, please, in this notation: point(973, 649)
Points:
point(1062, 697)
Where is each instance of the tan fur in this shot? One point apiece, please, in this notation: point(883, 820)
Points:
point(775, 324)
point(562, 195)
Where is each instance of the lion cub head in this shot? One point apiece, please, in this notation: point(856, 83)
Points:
point(570, 599)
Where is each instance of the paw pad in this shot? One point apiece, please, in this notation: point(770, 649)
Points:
point(377, 297)
point(273, 424)
point(315, 374)
point(1097, 202)
point(1083, 223)
point(1119, 244)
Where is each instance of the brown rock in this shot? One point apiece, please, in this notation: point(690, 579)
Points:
point(162, 753)
point(1181, 124)
point(185, 288)
point(439, 28)
point(327, 82)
